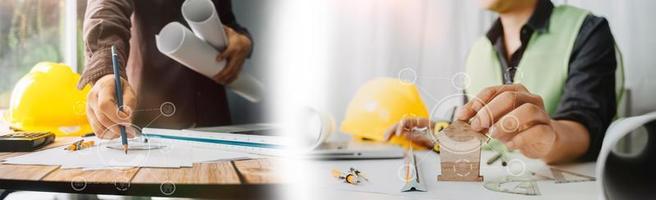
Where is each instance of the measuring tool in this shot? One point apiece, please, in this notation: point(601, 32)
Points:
point(514, 186)
point(559, 176)
point(411, 174)
point(248, 138)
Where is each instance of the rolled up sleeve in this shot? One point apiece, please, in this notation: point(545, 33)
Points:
point(589, 96)
point(106, 24)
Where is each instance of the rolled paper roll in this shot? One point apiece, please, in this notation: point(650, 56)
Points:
point(179, 43)
point(204, 21)
point(628, 173)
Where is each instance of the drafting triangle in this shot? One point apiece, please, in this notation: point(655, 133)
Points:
point(563, 176)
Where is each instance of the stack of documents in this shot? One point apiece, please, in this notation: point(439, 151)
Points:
point(171, 154)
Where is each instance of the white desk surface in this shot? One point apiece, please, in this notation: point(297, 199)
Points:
point(385, 180)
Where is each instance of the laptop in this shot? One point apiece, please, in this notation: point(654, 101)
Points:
point(353, 150)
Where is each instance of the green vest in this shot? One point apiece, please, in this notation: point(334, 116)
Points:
point(544, 66)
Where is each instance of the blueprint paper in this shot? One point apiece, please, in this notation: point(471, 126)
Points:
point(179, 43)
point(204, 22)
point(173, 155)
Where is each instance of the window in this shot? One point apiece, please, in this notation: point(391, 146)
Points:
point(32, 31)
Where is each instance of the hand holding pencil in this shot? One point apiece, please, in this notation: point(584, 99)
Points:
point(103, 110)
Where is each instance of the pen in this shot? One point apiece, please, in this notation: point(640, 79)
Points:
point(119, 97)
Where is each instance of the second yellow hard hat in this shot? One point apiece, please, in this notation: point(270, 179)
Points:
point(378, 105)
point(46, 99)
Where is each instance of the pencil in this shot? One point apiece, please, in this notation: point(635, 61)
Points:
point(494, 159)
point(119, 97)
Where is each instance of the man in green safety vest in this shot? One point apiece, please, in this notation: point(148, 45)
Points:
point(542, 81)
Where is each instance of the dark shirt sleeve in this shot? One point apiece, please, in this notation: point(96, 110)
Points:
point(106, 23)
point(589, 95)
point(227, 16)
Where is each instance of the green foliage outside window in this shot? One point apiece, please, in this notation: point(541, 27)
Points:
point(31, 31)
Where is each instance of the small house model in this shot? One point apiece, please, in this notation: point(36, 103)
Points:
point(460, 153)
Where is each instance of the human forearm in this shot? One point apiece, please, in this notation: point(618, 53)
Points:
point(106, 24)
point(572, 141)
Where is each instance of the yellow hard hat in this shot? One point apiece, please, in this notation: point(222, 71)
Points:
point(379, 104)
point(46, 99)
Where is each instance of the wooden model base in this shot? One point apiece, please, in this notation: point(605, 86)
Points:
point(460, 172)
point(451, 178)
point(460, 153)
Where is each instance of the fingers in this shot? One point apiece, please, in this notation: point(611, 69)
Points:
point(225, 53)
point(412, 122)
point(228, 54)
point(405, 129)
point(108, 128)
point(99, 122)
point(230, 35)
point(234, 64)
point(229, 31)
point(103, 112)
point(235, 55)
point(419, 139)
point(536, 142)
point(131, 131)
point(482, 98)
point(514, 116)
point(233, 72)
point(221, 77)
point(129, 101)
point(524, 117)
point(500, 105)
point(398, 129)
point(470, 108)
point(98, 129)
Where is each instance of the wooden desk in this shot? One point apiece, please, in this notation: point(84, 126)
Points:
point(243, 179)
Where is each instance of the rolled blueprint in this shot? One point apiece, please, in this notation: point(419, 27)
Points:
point(204, 22)
point(626, 174)
point(179, 43)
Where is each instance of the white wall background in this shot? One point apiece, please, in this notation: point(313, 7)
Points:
point(633, 27)
point(323, 50)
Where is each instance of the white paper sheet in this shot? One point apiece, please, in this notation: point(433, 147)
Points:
point(204, 22)
point(179, 43)
point(174, 155)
